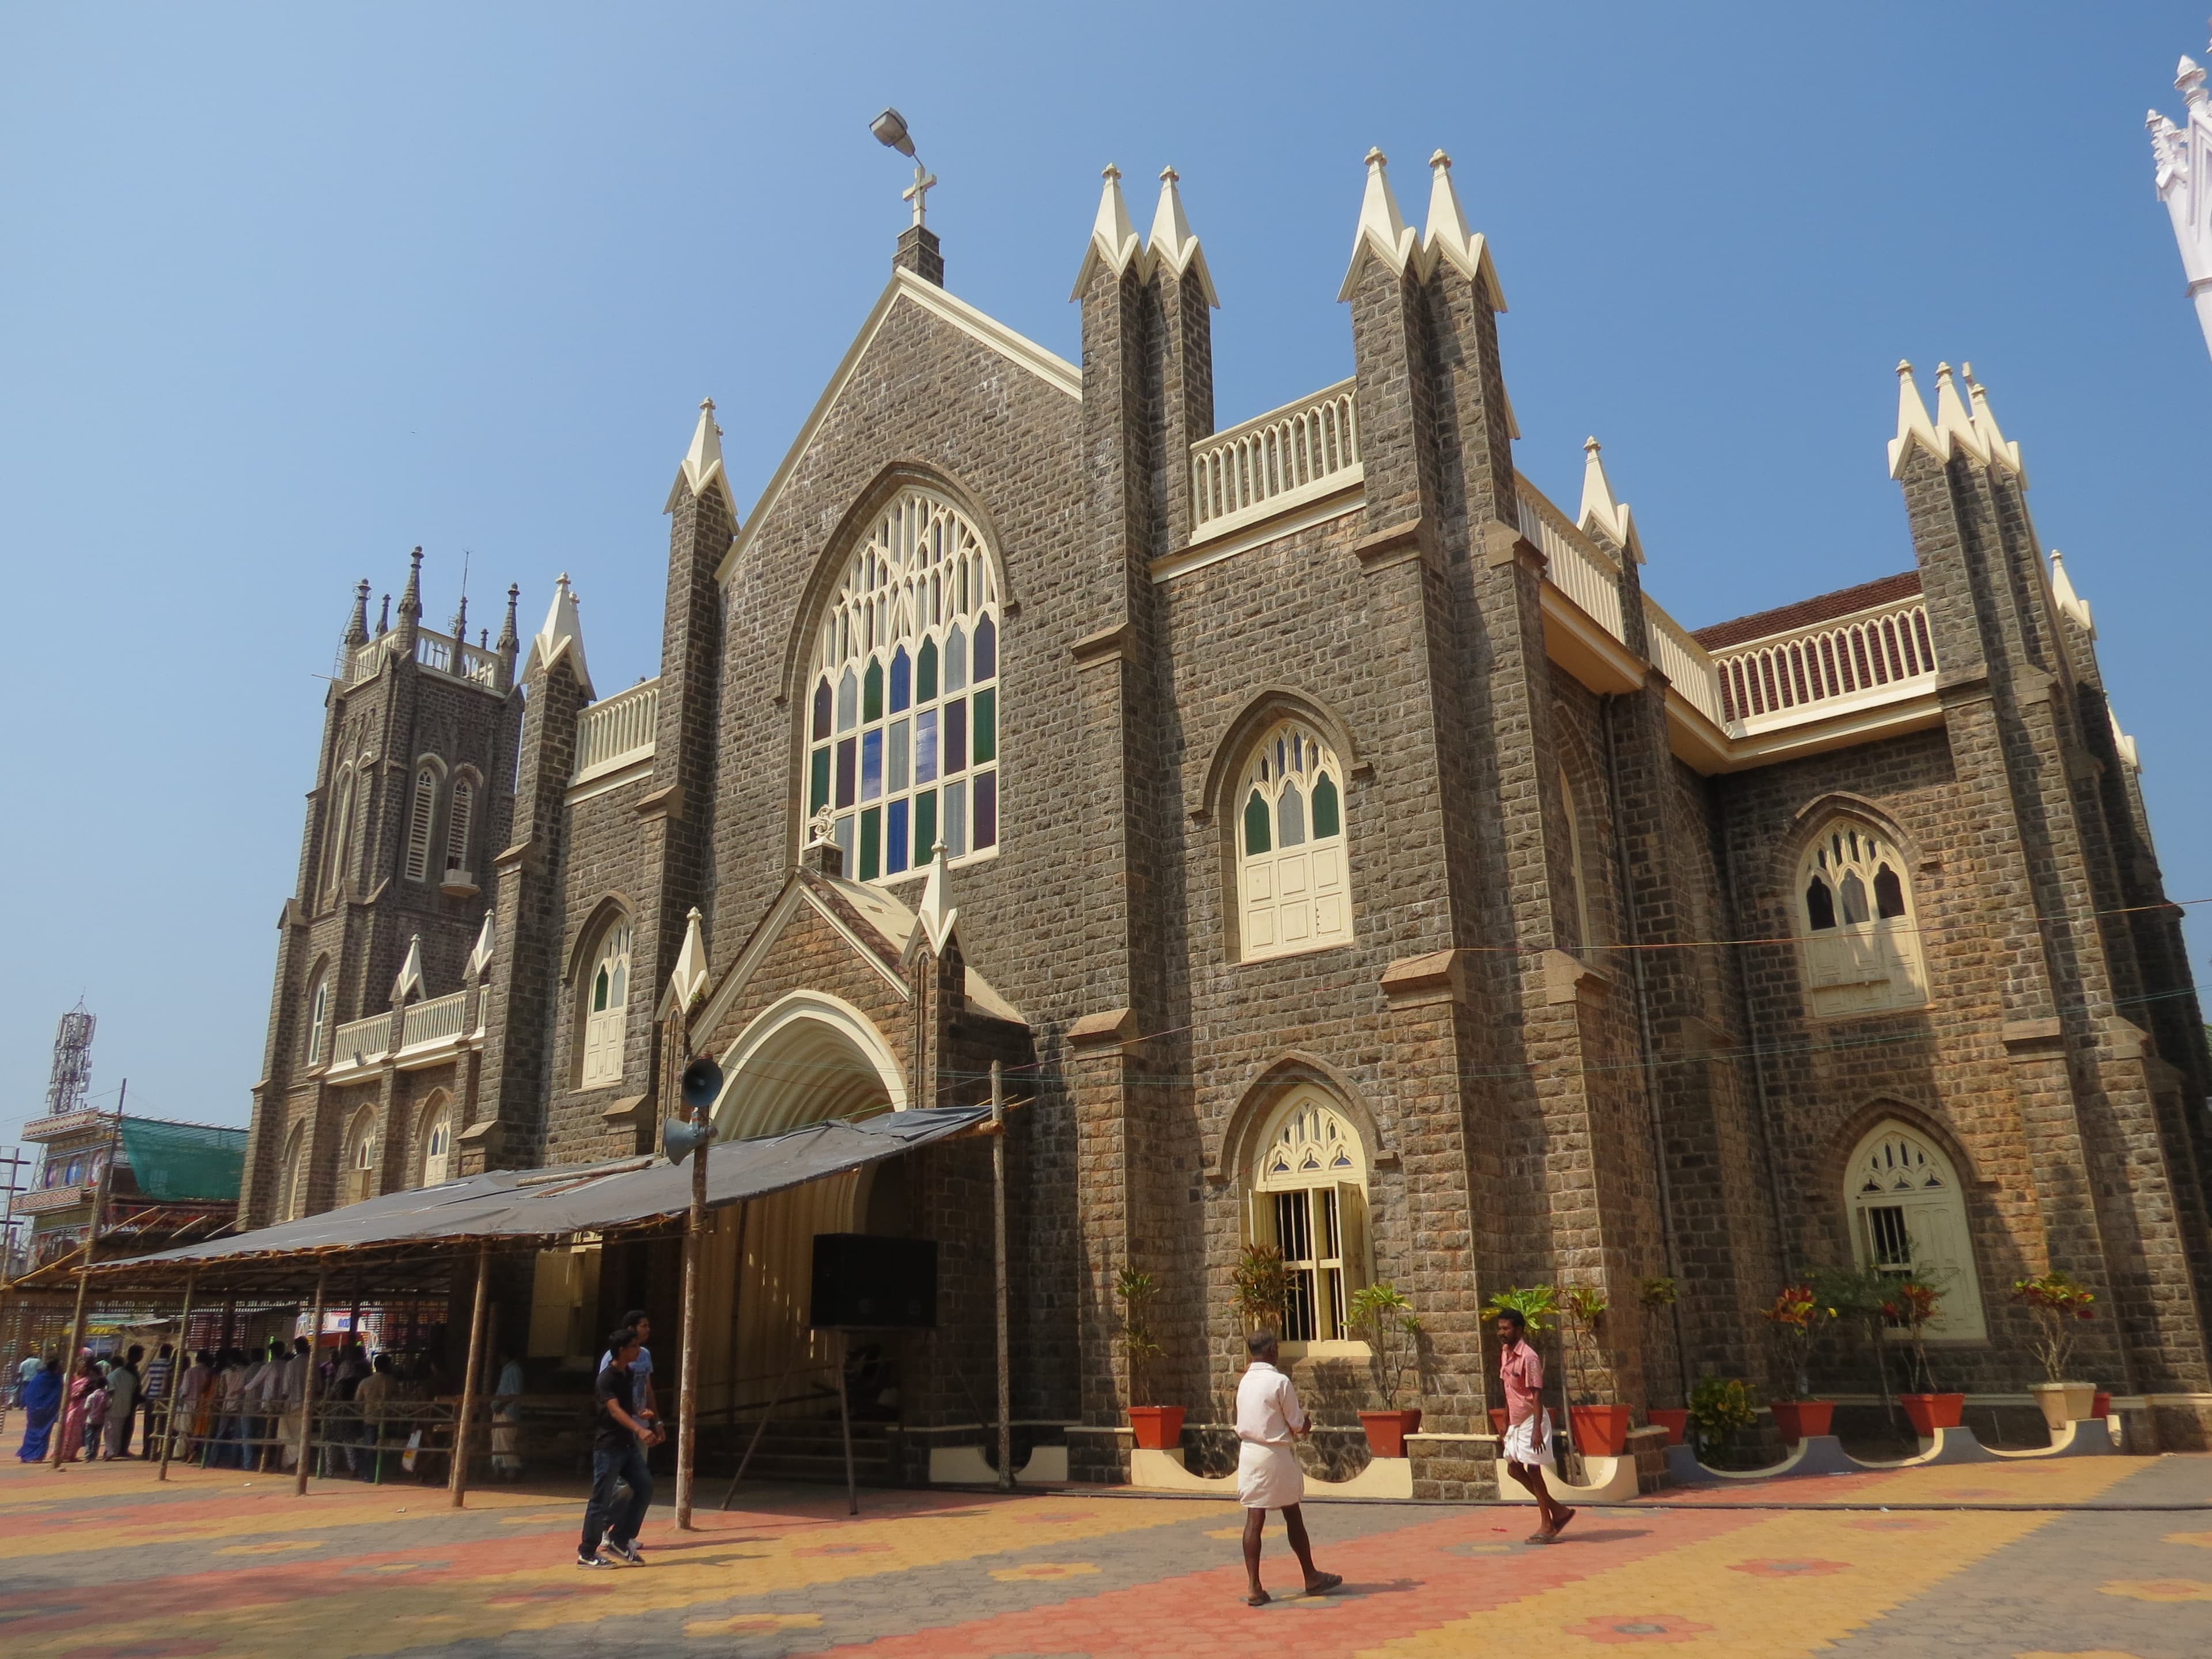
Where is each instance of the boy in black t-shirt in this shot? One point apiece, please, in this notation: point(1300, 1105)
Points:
point(618, 1446)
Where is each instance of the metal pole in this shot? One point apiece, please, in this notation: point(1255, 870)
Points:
point(458, 1482)
point(998, 1251)
point(695, 1249)
point(845, 1425)
point(759, 1429)
point(307, 1395)
point(177, 1370)
point(91, 1241)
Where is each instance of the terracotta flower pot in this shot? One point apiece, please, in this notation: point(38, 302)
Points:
point(1795, 1419)
point(1387, 1431)
point(1675, 1419)
point(2102, 1407)
point(1600, 1431)
point(1158, 1428)
point(1931, 1412)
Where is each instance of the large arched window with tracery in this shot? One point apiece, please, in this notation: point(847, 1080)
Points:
point(437, 1139)
point(358, 1171)
point(1307, 1197)
point(1861, 936)
point(1908, 1215)
point(604, 1007)
point(1292, 894)
point(903, 716)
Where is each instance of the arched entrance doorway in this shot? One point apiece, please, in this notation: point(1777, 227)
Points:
point(808, 1058)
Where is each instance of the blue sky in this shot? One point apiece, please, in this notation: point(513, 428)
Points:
point(284, 291)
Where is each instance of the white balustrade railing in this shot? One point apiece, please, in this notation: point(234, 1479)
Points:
point(1828, 662)
point(1273, 461)
point(365, 659)
point(1686, 665)
point(1581, 569)
point(436, 651)
point(617, 730)
point(433, 1021)
point(366, 1038)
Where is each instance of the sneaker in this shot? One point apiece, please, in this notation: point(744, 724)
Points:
point(628, 1552)
point(584, 1561)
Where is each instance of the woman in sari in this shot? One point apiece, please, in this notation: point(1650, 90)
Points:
point(83, 1383)
point(42, 1398)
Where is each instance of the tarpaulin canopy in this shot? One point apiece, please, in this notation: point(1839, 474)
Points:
point(173, 1161)
point(521, 1205)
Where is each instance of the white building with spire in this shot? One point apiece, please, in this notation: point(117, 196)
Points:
point(2182, 162)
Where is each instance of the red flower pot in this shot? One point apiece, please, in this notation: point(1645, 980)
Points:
point(2102, 1407)
point(1158, 1428)
point(1931, 1412)
point(1795, 1419)
point(1600, 1431)
point(1498, 1419)
point(1675, 1419)
point(1387, 1431)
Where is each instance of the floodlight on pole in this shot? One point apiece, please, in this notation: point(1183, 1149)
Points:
point(892, 133)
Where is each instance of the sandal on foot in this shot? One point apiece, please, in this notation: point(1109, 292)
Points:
point(1258, 1599)
point(1541, 1537)
point(1565, 1516)
point(1324, 1582)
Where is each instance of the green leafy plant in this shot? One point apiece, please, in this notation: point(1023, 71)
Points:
point(1585, 1306)
point(1538, 1304)
point(1393, 1332)
point(1136, 1292)
point(1259, 1286)
point(2058, 1304)
point(1655, 1293)
point(1857, 1296)
point(1913, 1303)
point(1797, 1313)
point(1720, 1409)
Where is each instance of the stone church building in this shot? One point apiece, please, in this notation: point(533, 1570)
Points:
point(1333, 842)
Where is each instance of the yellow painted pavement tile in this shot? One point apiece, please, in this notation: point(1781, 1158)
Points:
point(753, 1624)
point(2202, 1540)
point(1042, 1571)
point(1738, 1614)
point(2158, 1590)
point(362, 1617)
point(2077, 1653)
point(274, 1546)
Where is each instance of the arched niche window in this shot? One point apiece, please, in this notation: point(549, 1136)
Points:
point(1292, 894)
point(1862, 937)
point(319, 1018)
point(604, 1005)
point(292, 1180)
point(1307, 1197)
point(422, 815)
point(359, 1165)
point(1577, 898)
point(460, 819)
point(437, 1139)
point(1908, 1217)
point(336, 830)
point(903, 717)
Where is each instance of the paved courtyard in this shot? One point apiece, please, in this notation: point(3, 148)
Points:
point(2104, 1557)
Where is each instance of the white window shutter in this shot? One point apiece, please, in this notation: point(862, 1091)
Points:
point(456, 827)
point(419, 825)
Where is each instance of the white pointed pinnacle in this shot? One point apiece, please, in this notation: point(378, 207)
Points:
point(410, 974)
point(563, 633)
point(487, 943)
point(1952, 421)
point(1912, 424)
point(689, 980)
point(935, 921)
point(702, 468)
point(1448, 238)
point(1172, 243)
point(1601, 508)
point(2070, 604)
point(2000, 451)
point(1383, 232)
point(1114, 241)
point(2189, 80)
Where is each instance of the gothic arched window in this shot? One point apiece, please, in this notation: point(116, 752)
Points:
point(902, 721)
point(1577, 905)
point(337, 828)
point(437, 1139)
point(1307, 1197)
point(292, 1181)
point(605, 1009)
point(1291, 889)
point(319, 1018)
point(460, 818)
point(1908, 1217)
point(1861, 938)
point(359, 1166)
point(420, 813)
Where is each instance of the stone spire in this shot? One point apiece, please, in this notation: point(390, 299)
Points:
point(1172, 244)
point(384, 617)
point(487, 942)
point(410, 603)
point(509, 641)
point(689, 981)
point(2070, 604)
point(1913, 425)
point(409, 983)
point(1600, 511)
point(1447, 239)
point(561, 636)
point(1383, 232)
point(2181, 159)
point(1953, 423)
point(702, 469)
point(2000, 451)
point(460, 628)
point(932, 918)
point(356, 634)
point(1114, 241)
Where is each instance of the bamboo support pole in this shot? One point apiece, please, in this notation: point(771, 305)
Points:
point(694, 1250)
point(177, 1367)
point(458, 1482)
point(308, 1388)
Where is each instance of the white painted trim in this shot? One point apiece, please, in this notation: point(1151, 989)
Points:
point(1285, 515)
point(749, 960)
point(824, 1009)
point(596, 783)
point(1048, 365)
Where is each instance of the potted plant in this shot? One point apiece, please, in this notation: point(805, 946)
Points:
point(1855, 1297)
point(1383, 1314)
point(1156, 1428)
point(1537, 1305)
point(1600, 1431)
point(2059, 1305)
point(1259, 1284)
point(1655, 1295)
point(1720, 1409)
point(1797, 1313)
point(1912, 1304)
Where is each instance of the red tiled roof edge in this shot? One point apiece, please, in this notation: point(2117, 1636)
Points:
point(1806, 612)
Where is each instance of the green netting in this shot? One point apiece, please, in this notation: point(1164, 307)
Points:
point(172, 1161)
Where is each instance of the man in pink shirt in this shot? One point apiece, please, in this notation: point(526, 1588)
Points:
point(1527, 1446)
point(1269, 1424)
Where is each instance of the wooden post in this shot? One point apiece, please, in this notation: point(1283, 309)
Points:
point(308, 1397)
point(91, 1244)
point(458, 1482)
point(678, 1050)
point(177, 1370)
point(845, 1424)
point(999, 1255)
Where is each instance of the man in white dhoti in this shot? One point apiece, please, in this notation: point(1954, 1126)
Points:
point(1269, 1424)
point(1527, 1445)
